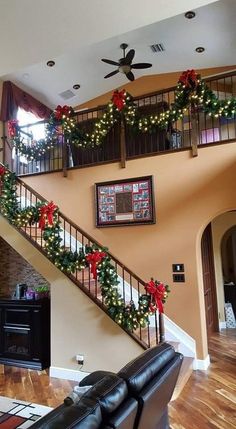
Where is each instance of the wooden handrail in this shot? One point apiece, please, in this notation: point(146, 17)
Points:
point(81, 231)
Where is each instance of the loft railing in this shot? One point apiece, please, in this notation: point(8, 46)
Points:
point(73, 238)
point(183, 134)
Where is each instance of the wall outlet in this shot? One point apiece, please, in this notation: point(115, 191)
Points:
point(80, 359)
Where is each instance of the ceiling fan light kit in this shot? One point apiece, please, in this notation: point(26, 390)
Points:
point(124, 64)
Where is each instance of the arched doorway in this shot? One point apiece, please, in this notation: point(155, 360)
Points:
point(209, 282)
point(228, 259)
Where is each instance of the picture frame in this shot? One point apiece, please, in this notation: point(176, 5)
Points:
point(125, 202)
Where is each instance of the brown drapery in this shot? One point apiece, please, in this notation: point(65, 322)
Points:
point(14, 97)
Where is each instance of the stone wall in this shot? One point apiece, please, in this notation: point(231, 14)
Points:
point(15, 269)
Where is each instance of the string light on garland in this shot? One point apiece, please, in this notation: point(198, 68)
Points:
point(130, 316)
point(191, 93)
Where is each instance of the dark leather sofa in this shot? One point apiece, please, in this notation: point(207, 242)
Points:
point(136, 397)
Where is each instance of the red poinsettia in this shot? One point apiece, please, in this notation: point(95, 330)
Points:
point(158, 294)
point(12, 127)
point(2, 170)
point(94, 259)
point(118, 99)
point(61, 111)
point(189, 78)
point(46, 214)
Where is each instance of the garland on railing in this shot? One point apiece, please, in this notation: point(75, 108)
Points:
point(191, 92)
point(45, 214)
point(63, 122)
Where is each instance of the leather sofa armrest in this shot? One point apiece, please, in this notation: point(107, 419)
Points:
point(94, 377)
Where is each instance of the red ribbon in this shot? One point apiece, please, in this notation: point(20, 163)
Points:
point(118, 99)
point(12, 127)
point(61, 111)
point(46, 214)
point(2, 170)
point(189, 78)
point(158, 294)
point(94, 259)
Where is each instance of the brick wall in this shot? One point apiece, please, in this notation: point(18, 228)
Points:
point(15, 269)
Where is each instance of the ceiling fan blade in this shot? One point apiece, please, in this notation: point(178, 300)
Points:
point(113, 63)
point(129, 56)
point(141, 66)
point(130, 76)
point(111, 74)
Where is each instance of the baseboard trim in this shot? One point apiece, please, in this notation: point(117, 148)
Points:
point(201, 364)
point(222, 325)
point(67, 374)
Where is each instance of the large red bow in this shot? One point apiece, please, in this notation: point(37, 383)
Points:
point(46, 214)
point(2, 170)
point(118, 99)
point(189, 78)
point(12, 127)
point(61, 111)
point(158, 294)
point(94, 259)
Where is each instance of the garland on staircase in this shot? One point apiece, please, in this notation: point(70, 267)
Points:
point(46, 216)
point(191, 92)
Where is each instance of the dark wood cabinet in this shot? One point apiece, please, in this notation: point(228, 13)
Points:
point(25, 333)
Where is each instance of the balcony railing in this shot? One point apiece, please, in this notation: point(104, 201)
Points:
point(180, 135)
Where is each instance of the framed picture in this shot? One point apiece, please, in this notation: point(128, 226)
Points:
point(125, 202)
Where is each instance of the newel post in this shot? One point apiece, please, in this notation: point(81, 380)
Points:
point(64, 155)
point(161, 328)
point(122, 144)
point(194, 134)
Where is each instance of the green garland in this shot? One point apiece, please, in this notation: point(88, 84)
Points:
point(128, 315)
point(191, 92)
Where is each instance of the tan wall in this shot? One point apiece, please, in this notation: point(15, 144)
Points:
point(147, 84)
point(77, 325)
point(189, 193)
point(219, 227)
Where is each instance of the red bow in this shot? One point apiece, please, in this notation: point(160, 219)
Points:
point(2, 170)
point(118, 99)
point(94, 259)
point(61, 111)
point(46, 214)
point(189, 78)
point(158, 294)
point(12, 127)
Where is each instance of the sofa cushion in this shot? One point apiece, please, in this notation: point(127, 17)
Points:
point(94, 377)
point(86, 414)
point(110, 392)
point(142, 369)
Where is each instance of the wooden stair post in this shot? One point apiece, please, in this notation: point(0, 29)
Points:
point(161, 328)
point(122, 144)
point(194, 133)
point(64, 156)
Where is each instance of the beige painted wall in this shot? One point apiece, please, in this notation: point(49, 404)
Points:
point(220, 226)
point(77, 325)
point(147, 84)
point(189, 193)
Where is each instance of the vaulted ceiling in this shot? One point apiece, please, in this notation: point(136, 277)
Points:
point(76, 34)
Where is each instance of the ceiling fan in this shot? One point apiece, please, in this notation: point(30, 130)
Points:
point(125, 64)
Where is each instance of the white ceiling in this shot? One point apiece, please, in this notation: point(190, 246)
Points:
point(76, 34)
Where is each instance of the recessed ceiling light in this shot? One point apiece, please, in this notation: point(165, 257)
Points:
point(76, 86)
point(51, 63)
point(200, 49)
point(190, 14)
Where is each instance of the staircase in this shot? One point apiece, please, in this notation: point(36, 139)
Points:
point(130, 286)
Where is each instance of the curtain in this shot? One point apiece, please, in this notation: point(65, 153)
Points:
point(13, 97)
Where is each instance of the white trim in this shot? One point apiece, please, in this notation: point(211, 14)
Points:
point(222, 325)
point(201, 364)
point(187, 344)
point(67, 374)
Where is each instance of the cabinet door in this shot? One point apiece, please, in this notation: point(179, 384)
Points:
point(36, 335)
